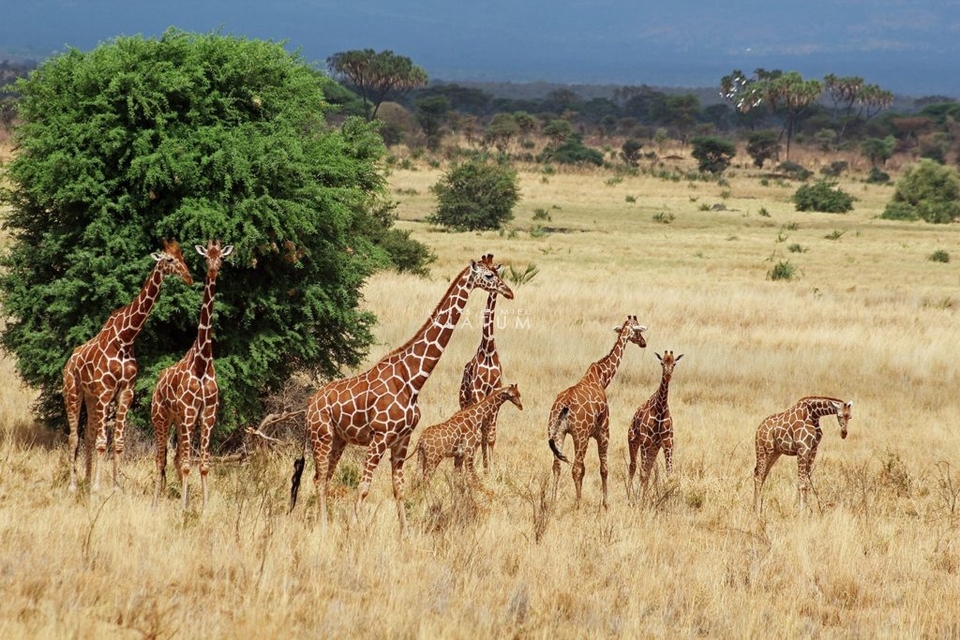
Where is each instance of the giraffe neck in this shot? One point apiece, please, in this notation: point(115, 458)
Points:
point(660, 397)
point(203, 346)
point(129, 320)
point(607, 366)
point(488, 347)
point(422, 352)
point(487, 407)
point(820, 406)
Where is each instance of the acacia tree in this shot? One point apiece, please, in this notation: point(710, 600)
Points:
point(191, 137)
point(377, 75)
point(854, 100)
point(786, 95)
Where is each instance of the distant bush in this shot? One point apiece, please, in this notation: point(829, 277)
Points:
point(835, 168)
point(476, 195)
point(939, 256)
point(878, 176)
point(794, 171)
point(927, 190)
point(783, 270)
point(822, 195)
point(713, 154)
point(572, 151)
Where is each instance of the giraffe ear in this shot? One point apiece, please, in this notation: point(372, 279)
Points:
point(200, 249)
point(227, 250)
point(658, 356)
point(157, 256)
point(678, 358)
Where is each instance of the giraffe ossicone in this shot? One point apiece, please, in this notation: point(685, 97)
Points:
point(583, 412)
point(187, 393)
point(100, 374)
point(378, 408)
point(796, 432)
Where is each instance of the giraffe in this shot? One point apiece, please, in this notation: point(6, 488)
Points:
point(103, 370)
point(460, 435)
point(378, 408)
point(652, 428)
point(483, 374)
point(796, 432)
point(187, 391)
point(582, 410)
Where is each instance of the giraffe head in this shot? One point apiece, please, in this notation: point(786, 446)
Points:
point(844, 414)
point(214, 254)
point(170, 261)
point(635, 331)
point(486, 275)
point(511, 393)
point(668, 362)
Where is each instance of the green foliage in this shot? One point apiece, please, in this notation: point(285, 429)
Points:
point(630, 151)
point(572, 151)
point(794, 171)
point(431, 112)
point(713, 154)
point(192, 137)
point(928, 191)
point(377, 75)
point(835, 168)
point(475, 195)
point(783, 270)
point(762, 145)
point(939, 256)
point(517, 277)
point(878, 150)
point(664, 217)
point(876, 176)
point(823, 195)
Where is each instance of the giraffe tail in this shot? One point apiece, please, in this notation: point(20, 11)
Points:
point(557, 430)
point(295, 480)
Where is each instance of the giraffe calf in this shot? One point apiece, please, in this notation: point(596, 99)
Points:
point(459, 436)
point(796, 432)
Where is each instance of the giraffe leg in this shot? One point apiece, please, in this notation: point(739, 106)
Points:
point(602, 443)
point(633, 445)
point(161, 432)
point(579, 468)
point(398, 455)
point(556, 467)
point(490, 438)
point(72, 400)
point(375, 451)
point(804, 473)
point(765, 460)
point(99, 422)
point(187, 425)
point(668, 453)
point(485, 449)
point(207, 420)
point(124, 400)
point(323, 444)
point(648, 458)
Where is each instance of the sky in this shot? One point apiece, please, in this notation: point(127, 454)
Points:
point(909, 47)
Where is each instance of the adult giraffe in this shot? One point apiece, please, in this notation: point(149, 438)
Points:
point(582, 410)
point(378, 408)
point(103, 370)
point(483, 374)
point(187, 391)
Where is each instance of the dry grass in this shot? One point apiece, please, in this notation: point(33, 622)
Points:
point(869, 318)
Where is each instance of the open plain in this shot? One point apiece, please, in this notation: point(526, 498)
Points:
point(866, 316)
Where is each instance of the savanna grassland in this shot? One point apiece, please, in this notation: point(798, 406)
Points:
point(867, 316)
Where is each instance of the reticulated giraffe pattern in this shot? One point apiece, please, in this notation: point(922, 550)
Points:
point(378, 408)
point(582, 411)
point(796, 432)
point(186, 393)
point(483, 374)
point(652, 429)
point(459, 436)
point(100, 374)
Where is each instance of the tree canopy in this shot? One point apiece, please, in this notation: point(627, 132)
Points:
point(376, 75)
point(191, 137)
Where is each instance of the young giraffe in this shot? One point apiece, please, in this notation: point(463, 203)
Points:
point(652, 428)
point(187, 391)
point(460, 435)
point(483, 374)
point(796, 432)
point(582, 410)
point(378, 408)
point(103, 370)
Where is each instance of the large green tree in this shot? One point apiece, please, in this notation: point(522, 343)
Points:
point(377, 75)
point(191, 137)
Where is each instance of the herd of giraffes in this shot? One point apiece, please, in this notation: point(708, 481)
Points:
point(377, 409)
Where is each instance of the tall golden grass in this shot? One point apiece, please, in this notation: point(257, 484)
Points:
point(868, 318)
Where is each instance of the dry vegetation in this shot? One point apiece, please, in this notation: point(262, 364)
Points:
point(867, 318)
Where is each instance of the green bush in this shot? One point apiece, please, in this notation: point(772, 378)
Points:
point(928, 191)
point(939, 256)
point(783, 270)
point(192, 137)
point(476, 195)
point(822, 195)
point(572, 151)
point(794, 170)
point(878, 176)
point(713, 154)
